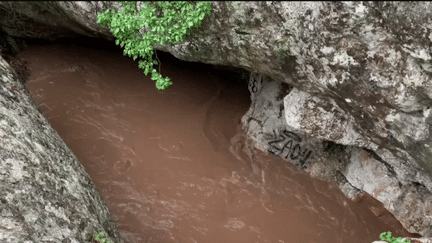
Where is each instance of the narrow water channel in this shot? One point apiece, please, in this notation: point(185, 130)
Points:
point(173, 165)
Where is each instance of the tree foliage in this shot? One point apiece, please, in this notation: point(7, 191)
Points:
point(170, 25)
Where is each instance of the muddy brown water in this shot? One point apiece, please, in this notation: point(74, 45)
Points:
point(173, 165)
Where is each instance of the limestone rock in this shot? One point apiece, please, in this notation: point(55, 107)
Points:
point(53, 20)
point(342, 89)
point(45, 193)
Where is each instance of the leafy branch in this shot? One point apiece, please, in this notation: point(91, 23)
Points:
point(386, 236)
point(177, 18)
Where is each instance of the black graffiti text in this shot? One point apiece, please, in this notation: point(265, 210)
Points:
point(254, 87)
point(288, 145)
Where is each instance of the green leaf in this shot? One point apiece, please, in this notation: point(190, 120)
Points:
point(178, 17)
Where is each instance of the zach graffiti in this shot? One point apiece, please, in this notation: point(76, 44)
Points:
point(287, 145)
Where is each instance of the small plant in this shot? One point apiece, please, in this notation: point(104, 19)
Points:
point(101, 238)
point(386, 236)
point(171, 25)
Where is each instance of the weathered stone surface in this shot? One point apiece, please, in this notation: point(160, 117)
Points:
point(402, 187)
point(342, 89)
point(45, 193)
point(53, 20)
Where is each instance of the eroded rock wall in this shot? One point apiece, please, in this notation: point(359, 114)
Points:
point(45, 193)
point(274, 125)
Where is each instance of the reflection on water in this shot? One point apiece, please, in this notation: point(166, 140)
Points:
point(173, 165)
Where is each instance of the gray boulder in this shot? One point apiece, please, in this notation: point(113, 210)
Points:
point(342, 89)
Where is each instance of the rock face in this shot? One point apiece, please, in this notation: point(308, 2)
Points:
point(342, 89)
